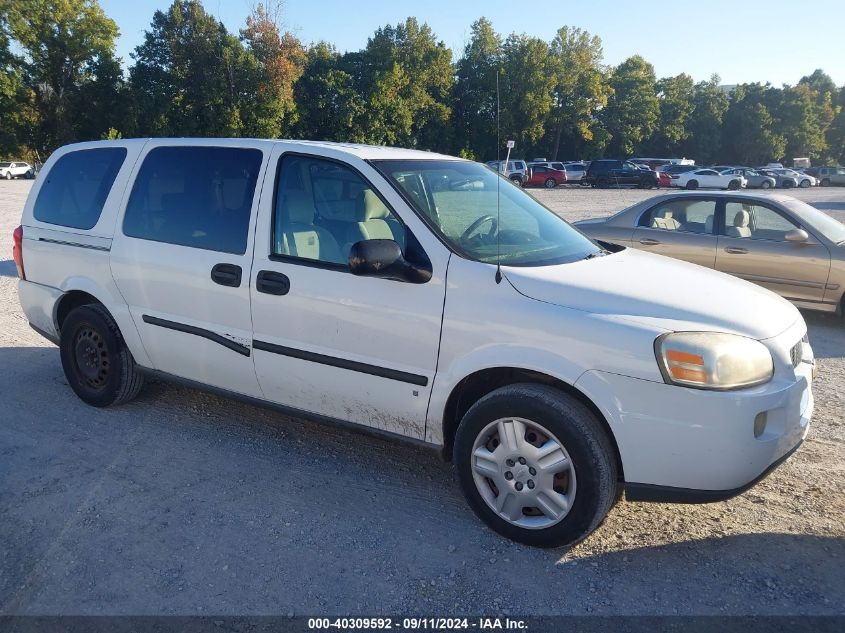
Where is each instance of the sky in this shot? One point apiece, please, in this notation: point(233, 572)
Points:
point(776, 41)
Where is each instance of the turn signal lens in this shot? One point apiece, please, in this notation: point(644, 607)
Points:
point(712, 360)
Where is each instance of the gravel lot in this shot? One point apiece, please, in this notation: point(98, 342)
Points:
point(185, 503)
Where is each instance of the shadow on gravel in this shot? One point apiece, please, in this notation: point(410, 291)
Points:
point(8, 268)
point(758, 573)
point(827, 333)
point(186, 503)
point(829, 205)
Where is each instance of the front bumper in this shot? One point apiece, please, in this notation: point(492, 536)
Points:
point(690, 445)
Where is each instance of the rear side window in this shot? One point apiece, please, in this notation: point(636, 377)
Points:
point(77, 186)
point(194, 196)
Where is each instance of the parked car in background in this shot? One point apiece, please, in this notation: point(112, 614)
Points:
point(608, 172)
point(542, 176)
point(516, 170)
point(753, 178)
point(676, 168)
point(546, 163)
point(312, 278)
point(575, 172)
point(782, 180)
point(16, 169)
point(708, 178)
point(802, 180)
point(775, 241)
point(831, 176)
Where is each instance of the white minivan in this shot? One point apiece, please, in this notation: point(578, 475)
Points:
point(422, 296)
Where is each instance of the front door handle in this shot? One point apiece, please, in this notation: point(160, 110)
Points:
point(272, 283)
point(226, 275)
point(647, 241)
point(735, 250)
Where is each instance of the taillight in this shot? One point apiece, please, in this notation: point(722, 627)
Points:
point(17, 251)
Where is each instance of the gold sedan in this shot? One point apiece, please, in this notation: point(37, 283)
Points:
point(775, 241)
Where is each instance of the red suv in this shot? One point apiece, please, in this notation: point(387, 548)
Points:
point(542, 176)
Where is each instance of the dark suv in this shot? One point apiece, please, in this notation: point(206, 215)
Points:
point(604, 173)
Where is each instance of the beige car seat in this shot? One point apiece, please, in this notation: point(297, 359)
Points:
point(740, 227)
point(299, 236)
point(373, 222)
point(663, 220)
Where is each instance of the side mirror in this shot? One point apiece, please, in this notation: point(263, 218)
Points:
point(797, 235)
point(384, 259)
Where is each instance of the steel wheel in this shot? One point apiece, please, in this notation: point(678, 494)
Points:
point(91, 358)
point(523, 473)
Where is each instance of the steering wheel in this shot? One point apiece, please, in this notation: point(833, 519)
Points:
point(472, 228)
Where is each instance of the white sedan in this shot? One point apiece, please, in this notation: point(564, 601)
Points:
point(708, 178)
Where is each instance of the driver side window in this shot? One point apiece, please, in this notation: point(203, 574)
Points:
point(323, 207)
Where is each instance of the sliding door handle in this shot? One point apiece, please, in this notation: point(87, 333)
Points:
point(647, 241)
point(735, 250)
point(272, 283)
point(226, 275)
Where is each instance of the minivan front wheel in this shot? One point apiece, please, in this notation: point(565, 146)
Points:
point(97, 364)
point(536, 465)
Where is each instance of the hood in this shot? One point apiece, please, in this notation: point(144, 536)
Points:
point(658, 291)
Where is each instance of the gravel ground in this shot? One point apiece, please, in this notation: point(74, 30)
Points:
point(185, 503)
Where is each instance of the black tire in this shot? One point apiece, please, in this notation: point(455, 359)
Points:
point(765, 185)
point(733, 185)
point(826, 182)
point(550, 183)
point(603, 183)
point(692, 184)
point(584, 438)
point(805, 183)
point(98, 365)
point(8, 175)
point(30, 175)
point(517, 181)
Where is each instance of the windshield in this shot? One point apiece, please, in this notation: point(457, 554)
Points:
point(458, 199)
point(828, 226)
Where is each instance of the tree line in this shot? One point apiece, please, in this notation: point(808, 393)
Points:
point(60, 82)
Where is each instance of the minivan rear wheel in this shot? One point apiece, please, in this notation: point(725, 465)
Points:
point(550, 183)
point(97, 364)
point(536, 465)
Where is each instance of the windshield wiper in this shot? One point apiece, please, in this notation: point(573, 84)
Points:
point(600, 253)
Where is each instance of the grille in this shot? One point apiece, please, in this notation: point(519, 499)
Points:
point(797, 353)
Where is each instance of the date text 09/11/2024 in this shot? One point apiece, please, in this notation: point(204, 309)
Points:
point(430, 623)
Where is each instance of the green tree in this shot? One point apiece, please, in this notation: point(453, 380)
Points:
point(65, 44)
point(580, 89)
point(407, 77)
point(193, 78)
point(677, 104)
point(526, 90)
point(474, 109)
point(633, 108)
point(12, 91)
point(802, 120)
point(281, 61)
point(328, 104)
point(836, 133)
point(704, 127)
point(748, 134)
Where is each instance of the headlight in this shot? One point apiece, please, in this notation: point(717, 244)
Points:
point(710, 360)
